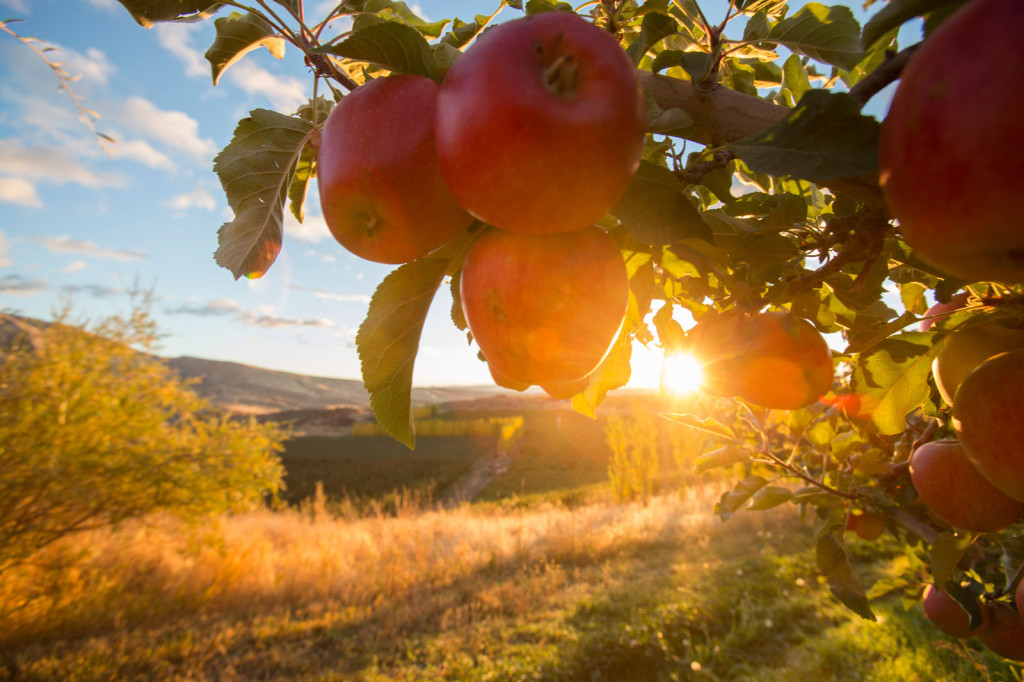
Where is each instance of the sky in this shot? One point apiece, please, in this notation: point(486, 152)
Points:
point(89, 221)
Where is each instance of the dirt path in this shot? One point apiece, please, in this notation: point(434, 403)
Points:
point(473, 481)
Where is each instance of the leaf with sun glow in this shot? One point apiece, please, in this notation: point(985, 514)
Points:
point(681, 374)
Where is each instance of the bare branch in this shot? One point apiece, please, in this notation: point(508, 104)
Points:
point(85, 114)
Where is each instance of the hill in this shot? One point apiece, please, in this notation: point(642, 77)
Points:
point(245, 389)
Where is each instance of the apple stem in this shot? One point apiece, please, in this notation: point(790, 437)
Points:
point(560, 76)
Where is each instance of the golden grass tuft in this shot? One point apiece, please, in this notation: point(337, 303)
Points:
point(147, 574)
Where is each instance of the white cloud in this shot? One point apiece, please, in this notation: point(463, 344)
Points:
point(333, 296)
point(19, 191)
point(94, 290)
point(52, 165)
point(105, 4)
point(311, 230)
point(65, 244)
point(177, 39)
point(198, 198)
point(143, 152)
point(276, 322)
point(285, 93)
point(5, 254)
point(214, 308)
point(16, 285)
point(75, 266)
point(16, 5)
point(93, 66)
point(175, 129)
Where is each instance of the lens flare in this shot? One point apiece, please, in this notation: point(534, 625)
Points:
point(681, 374)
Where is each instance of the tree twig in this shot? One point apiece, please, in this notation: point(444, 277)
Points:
point(85, 114)
point(886, 73)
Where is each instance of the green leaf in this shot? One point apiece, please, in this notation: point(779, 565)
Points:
point(864, 337)
point(392, 45)
point(695, 64)
point(892, 379)
point(827, 34)
point(770, 496)
point(463, 32)
point(238, 34)
point(538, 6)
point(895, 13)
point(946, 552)
point(655, 210)
point(256, 170)
point(731, 501)
point(834, 563)
point(873, 58)
point(389, 337)
point(967, 597)
point(722, 457)
point(613, 372)
point(149, 12)
point(316, 113)
point(665, 121)
point(913, 296)
point(458, 314)
point(396, 10)
point(824, 137)
point(794, 78)
point(653, 29)
point(709, 425)
point(299, 186)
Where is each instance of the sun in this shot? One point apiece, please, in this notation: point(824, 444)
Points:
point(681, 374)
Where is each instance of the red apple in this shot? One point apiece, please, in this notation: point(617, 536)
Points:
point(867, 525)
point(772, 359)
point(544, 309)
point(381, 189)
point(965, 349)
point(1005, 634)
point(946, 165)
point(988, 414)
point(947, 615)
point(956, 493)
point(941, 310)
point(541, 124)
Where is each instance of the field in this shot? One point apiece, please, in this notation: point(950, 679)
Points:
point(367, 469)
point(541, 582)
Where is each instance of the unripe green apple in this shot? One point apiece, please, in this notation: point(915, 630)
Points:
point(947, 615)
point(1005, 633)
point(541, 124)
point(965, 349)
point(956, 493)
point(988, 414)
point(381, 189)
point(951, 143)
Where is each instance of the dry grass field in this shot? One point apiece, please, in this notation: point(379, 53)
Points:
point(599, 591)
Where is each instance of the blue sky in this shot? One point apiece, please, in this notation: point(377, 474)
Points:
point(91, 222)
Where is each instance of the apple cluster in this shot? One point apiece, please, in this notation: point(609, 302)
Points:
point(536, 131)
point(976, 482)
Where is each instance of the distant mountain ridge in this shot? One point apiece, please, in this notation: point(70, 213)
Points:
point(254, 390)
point(246, 389)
